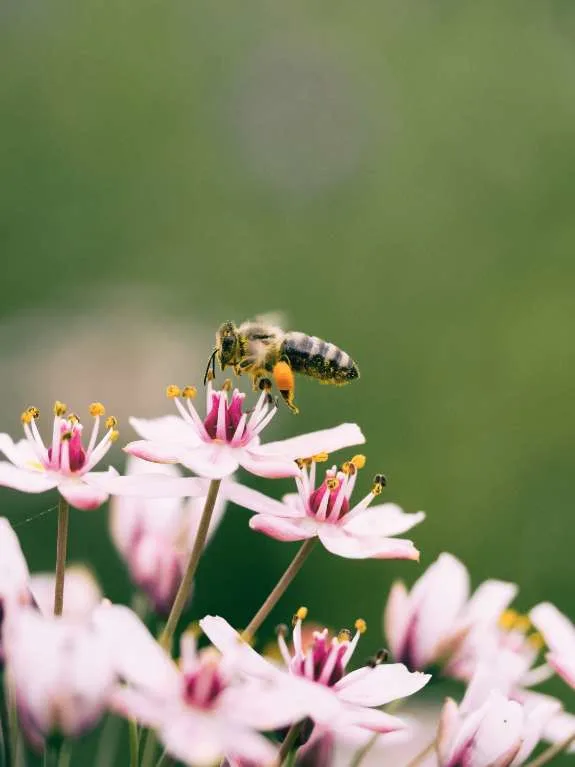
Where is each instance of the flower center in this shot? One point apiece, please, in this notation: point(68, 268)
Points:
point(203, 687)
point(323, 662)
point(70, 440)
point(231, 413)
point(517, 632)
point(329, 495)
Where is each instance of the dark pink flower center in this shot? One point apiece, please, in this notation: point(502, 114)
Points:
point(232, 415)
point(332, 487)
point(73, 437)
point(327, 661)
point(203, 686)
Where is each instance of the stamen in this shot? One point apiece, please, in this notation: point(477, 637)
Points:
point(300, 615)
point(189, 392)
point(111, 422)
point(379, 482)
point(113, 436)
point(173, 391)
point(536, 641)
point(320, 457)
point(360, 625)
point(507, 619)
point(27, 417)
point(359, 461)
point(227, 385)
point(59, 408)
point(239, 432)
point(97, 409)
point(73, 419)
point(281, 630)
point(522, 624)
point(344, 635)
point(332, 483)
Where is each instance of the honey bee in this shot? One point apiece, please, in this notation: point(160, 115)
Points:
point(265, 352)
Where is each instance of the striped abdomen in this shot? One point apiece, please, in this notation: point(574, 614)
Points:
point(317, 358)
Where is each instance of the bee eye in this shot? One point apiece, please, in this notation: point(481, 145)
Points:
point(227, 343)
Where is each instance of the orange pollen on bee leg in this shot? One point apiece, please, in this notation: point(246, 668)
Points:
point(283, 377)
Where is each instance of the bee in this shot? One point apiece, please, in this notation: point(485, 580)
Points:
point(266, 352)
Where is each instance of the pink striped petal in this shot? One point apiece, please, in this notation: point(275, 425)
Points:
point(81, 495)
point(380, 685)
point(158, 452)
point(260, 503)
point(326, 440)
point(211, 460)
point(284, 529)
point(152, 485)
point(26, 480)
point(336, 540)
point(266, 464)
point(384, 520)
point(167, 428)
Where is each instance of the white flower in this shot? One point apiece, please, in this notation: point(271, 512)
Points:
point(83, 592)
point(155, 535)
point(559, 635)
point(14, 575)
point(202, 710)
point(338, 702)
point(65, 463)
point(488, 729)
point(355, 532)
point(228, 437)
point(60, 671)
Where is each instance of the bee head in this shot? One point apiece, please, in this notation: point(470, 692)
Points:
point(227, 344)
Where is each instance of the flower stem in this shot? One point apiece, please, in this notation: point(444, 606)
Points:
point(5, 727)
point(61, 546)
point(552, 752)
point(288, 743)
point(362, 752)
point(279, 589)
point(134, 742)
point(149, 749)
point(416, 761)
point(183, 594)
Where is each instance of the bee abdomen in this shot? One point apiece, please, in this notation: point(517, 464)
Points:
point(319, 359)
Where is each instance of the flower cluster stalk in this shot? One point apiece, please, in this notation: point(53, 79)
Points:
point(551, 752)
point(61, 548)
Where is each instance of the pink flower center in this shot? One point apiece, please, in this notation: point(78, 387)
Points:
point(203, 687)
point(323, 662)
point(232, 415)
point(317, 502)
point(72, 435)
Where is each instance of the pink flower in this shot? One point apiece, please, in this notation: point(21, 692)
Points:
point(83, 593)
point(65, 463)
point(14, 576)
point(61, 674)
point(155, 535)
point(559, 635)
point(437, 622)
point(338, 702)
point(488, 729)
point(356, 532)
point(201, 708)
point(228, 437)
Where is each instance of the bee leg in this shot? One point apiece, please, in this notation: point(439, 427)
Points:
point(211, 374)
point(285, 382)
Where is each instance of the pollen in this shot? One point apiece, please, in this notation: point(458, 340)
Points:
point(114, 434)
point(320, 457)
point(536, 640)
point(173, 391)
point(189, 392)
point(379, 482)
point(344, 635)
point(59, 408)
point(27, 416)
point(359, 461)
point(360, 625)
point(73, 418)
point(332, 483)
point(507, 619)
point(97, 409)
point(111, 422)
point(522, 624)
point(300, 615)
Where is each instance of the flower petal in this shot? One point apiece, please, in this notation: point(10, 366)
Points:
point(396, 618)
point(380, 685)
point(14, 574)
point(212, 460)
point(155, 451)
point(324, 441)
point(167, 428)
point(265, 464)
point(81, 495)
point(228, 641)
point(336, 540)
point(557, 629)
point(19, 453)
point(489, 600)
point(260, 503)
point(284, 529)
point(83, 593)
point(368, 718)
point(152, 485)
point(385, 520)
point(26, 480)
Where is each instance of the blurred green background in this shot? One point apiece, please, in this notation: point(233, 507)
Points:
point(396, 177)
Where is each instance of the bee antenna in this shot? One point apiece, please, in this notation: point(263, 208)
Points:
point(212, 362)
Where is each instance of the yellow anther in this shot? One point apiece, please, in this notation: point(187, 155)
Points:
point(303, 462)
point(507, 619)
point(536, 640)
point(227, 385)
point(522, 624)
point(34, 412)
point(358, 461)
point(379, 483)
point(73, 418)
point(111, 422)
point(300, 615)
point(27, 417)
point(320, 457)
point(114, 434)
point(189, 392)
point(96, 409)
point(173, 391)
point(344, 635)
point(360, 625)
point(59, 408)
point(332, 483)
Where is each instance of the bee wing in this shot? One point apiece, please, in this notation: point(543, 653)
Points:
point(277, 319)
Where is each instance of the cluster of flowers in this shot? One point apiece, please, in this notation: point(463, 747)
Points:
point(67, 655)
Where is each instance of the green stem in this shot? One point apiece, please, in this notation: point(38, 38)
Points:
point(61, 546)
point(422, 754)
point(165, 760)
point(183, 594)
point(277, 592)
point(134, 742)
point(5, 726)
point(364, 750)
point(149, 749)
point(288, 743)
point(552, 752)
point(108, 742)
